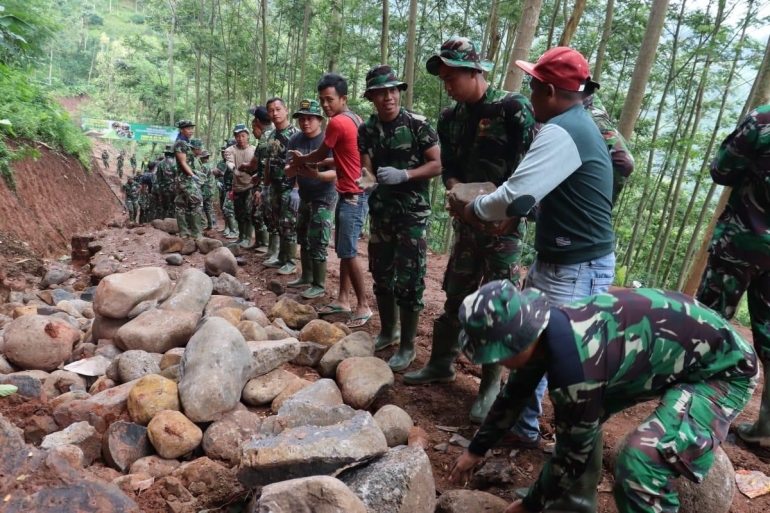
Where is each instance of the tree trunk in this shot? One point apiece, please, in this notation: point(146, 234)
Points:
point(336, 36)
point(552, 26)
point(642, 69)
point(530, 14)
point(411, 37)
point(263, 84)
point(606, 33)
point(172, 27)
point(506, 55)
point(493, 35)
point(572, 24)
point(306, 22)
point(384, 36)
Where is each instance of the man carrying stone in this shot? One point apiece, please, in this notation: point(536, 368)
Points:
point(241, 153)
point(130, 195)
point(402, 148)
point(483, 137)
point(188, 202)
point(341, 137)
point(317, 199)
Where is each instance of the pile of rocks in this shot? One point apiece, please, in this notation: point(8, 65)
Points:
point(165, 387)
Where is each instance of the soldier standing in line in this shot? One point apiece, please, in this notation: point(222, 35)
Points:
point(402, 148)
point(225, 185)
point(483, 137)
point(106, 159)
point(132, 161)
point(130, 193)
point(121, 158)
point(188, 202)
point(262, 127)
point(236, 155)
point(284, 198)
point(164, 185)
point(740, 247)
point(702, 370)
point(208, 189)
point(317, 199)
point(145, 197)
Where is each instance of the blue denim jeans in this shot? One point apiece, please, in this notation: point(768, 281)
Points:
point(562, 284)
point(348, 222)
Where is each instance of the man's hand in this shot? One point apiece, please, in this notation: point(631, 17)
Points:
point(502, 228)
point(298, 157)
point(462, 471)
point(257, 197)
point(367, 181)
point(391, 175)
point(294, 200)
point(516, 506)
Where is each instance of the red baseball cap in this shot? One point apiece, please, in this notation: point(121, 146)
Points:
point(561, 67)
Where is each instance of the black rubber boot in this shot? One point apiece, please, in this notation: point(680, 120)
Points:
point(389, 334)
point(248, 231)
point(406, 353)
point(488, 390)
point(306, 278)
point(440, 367)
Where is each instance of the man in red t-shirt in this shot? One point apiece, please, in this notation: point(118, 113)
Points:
point(353, 205)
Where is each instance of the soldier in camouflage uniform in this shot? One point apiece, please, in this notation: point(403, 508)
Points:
point(622, 160)
point(132, 160)
point(604, 354)
point(262, 126)
point(225, 185)
point(164, 189)
point(483, 138)
point(283, 199)
point(131, 195)
point(402, 148)
point(106, 159)
point(740, 247)
point(208, 189)
point(317, 199)
point(188, 202)
point(121, 158)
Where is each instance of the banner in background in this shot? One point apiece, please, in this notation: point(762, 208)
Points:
point(110, 129)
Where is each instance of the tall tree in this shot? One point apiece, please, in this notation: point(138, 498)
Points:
point(530, 14)
point(303, 58)
point(606, 33)
point(384, 42)
point(411, 37)
point(263, 81)
point(572, 24)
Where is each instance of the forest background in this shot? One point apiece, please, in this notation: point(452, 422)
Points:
point(677, 76)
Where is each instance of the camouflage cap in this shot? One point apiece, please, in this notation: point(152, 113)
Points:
point(196, 143)
point(204, 154)
point(169, 150)
point(383, 77)
point(500, 322)
point(458, 52)
point(240, 128)
point(185, 123)
point(310, 107)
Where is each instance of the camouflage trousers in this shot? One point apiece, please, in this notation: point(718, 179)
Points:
point(120, 170)
point(723, 284)
point(132, 207)
point(281, 211)
point(228, 209)
point(164, 202)
point(314, 225)
point(678, 439)
point(106, 163)
point(242, 205)
point(259, 213)
point(208, 206)
point(144, 207)
point(477, 258)
point(188, 201)
point(398, 256)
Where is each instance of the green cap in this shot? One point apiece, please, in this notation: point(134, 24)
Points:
point(185, 123)
point(458, 52)
point(383, 77)
point(204, 154)
point(500, 322)
point(240, 128)
point(306, 107)
point(196, 143)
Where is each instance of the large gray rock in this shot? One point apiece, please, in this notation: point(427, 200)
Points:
point(295, 414)
point(227, 285)
point(104, 328)
point(257, 315)
point(395, 424)
point(118, 294)
point(310, 354)
point(322, 494)
point(217, 302)
point(123, 444)
point(363, 379)
point(359, 343)
point(221, 260)
point(191, 293)
point(463, 501)
point(223, 438)
point(307, 451)
point(157, 331)
point(271, 354)
point(263, 389)
point(401, 481)
point(323, 392)
point(207, 245)
point(216, 365)
point(74, 497)
point(80, 434)
point(55, 276)
point(38, 342)
point(252, 331)
point(134, 364)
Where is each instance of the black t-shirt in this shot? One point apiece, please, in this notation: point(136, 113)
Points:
point(309, 188)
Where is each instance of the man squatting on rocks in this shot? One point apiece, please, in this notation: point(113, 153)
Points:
point(341, 137)
point(483, 138)
point(602, 355)
point(188, 202)
point(317, 199)
point(403, 148)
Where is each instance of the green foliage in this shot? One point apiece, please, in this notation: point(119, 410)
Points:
point(137, 19)
point(96, 20)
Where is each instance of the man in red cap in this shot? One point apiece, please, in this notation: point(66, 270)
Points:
point(568, 172)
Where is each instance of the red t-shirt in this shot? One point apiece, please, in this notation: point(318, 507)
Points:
point(342, 138)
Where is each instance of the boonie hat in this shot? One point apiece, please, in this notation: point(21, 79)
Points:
point(240, 128)
point(185, 123)
point(500, 322)
point(204, 154)
point(459, 52)
point(260, 113)
point(306, 107)
point(561, 67)
point(196, 143)
point(383, 77)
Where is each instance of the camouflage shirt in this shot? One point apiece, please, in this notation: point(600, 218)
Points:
point(622, 160)
point(164, 175)
point(276, 145)
point(484, 142)
point(131, 190)
point(182, 145)
point(227, 175)
point(402, 144)
point(604, 354)
point(743, 162)
point(206, 176)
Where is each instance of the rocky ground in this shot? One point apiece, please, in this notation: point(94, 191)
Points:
point(184, 381)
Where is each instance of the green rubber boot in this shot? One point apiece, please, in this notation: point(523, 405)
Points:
point(240, 233)
point(581, 497)
point(406, 353)
point(318, 288)
point(232, 226)
point(277, 260)
point(248, 231)
point(488, 390)
point(273, 247)
point(184, 230)
point(210, 222)
point(440, 367)
point(195, 223)
point(289, 259)
point(260, 242)
point(306, 278)
point(389, 334)
point(759, 432)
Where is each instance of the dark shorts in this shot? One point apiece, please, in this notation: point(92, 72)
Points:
point(348, 222)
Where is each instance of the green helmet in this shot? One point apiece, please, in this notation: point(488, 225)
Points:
point(459, 52)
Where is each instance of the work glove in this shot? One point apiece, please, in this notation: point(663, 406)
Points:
point(367, 181)
point(294, 200)
point(196, 179)
point(391, 176)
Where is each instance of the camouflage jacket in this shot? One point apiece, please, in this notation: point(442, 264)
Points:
point(275, 155)
point(131, 191)
point(227, 176)
point(182, 145)
point(262, 153)
point(604, 354)
point(206, 176)
point(486, 141)
point(165, 172)
point(743, 162)
point(402, 144)
point(622, 160)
